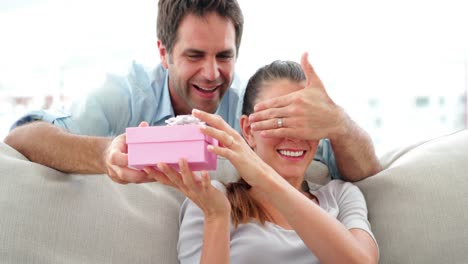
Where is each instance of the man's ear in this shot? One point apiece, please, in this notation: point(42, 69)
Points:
point(163, 55)
point(247, 130)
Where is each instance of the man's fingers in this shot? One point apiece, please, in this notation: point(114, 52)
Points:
point(133, 175)
point(312, 79)
point(118, 159)
point(269, 124)
point(266, 114)
point(277, 102)
point(114, 176)
point(280, 133)
point(119, 181)
point(143, 124)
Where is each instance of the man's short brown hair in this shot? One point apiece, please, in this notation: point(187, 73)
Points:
point(171, 13)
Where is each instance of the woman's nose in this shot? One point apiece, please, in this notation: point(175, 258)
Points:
point(295, 140)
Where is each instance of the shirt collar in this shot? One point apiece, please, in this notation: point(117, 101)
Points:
point(165, 109)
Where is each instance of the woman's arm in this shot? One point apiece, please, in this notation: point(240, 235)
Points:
point(325, 236)
point(214, 242)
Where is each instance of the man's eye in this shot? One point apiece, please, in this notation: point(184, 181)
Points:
point(195, 56)
point(225, 57)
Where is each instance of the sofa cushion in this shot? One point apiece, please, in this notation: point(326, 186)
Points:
point(418, 205)
point(51, 217)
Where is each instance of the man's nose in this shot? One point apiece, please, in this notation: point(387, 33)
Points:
point(210, 69)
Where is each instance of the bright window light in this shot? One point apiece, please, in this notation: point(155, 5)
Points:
point(399, 68)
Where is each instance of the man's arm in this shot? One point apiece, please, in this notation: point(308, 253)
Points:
point(52, 146)
point(354, 151)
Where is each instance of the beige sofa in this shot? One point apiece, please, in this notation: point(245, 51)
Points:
point(418, 208)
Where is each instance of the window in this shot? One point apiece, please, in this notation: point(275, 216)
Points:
point(421, 101)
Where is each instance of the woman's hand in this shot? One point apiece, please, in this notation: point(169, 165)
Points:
point(211, 201)
point(234, 148)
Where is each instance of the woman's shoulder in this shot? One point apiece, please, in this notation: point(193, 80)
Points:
point(335, 188)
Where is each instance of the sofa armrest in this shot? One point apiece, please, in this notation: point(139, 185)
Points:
point(418, 205)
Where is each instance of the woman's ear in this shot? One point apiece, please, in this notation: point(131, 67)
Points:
point(163, 55)
point(247, 130)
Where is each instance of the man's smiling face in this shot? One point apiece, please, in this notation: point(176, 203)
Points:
point(201, 66)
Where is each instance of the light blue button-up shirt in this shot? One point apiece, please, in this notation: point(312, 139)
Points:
point(142, 95)
point(125, 101)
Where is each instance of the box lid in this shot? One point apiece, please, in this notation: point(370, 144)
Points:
point(165, 134)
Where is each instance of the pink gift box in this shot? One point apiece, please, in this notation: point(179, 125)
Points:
point(149, 145)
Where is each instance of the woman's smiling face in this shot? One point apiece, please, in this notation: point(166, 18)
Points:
point(289, 157)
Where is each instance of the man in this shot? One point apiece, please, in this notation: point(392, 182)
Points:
point(198, 42)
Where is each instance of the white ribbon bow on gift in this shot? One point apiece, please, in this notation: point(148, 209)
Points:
point(183, 120)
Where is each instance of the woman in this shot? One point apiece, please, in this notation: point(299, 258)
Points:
point(269, 215)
